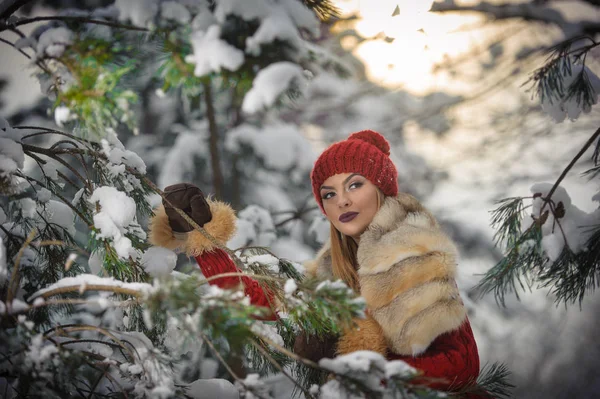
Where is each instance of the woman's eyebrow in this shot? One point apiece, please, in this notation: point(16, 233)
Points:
point(346, 180)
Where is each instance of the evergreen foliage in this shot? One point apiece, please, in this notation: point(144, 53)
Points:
point(81, 312)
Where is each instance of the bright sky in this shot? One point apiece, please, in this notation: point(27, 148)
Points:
point(421, 40)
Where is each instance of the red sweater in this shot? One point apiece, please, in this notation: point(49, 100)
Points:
point(217, 262)
point(452, 357)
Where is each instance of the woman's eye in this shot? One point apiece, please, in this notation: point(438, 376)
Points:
point(328, 195)
point(356, 184)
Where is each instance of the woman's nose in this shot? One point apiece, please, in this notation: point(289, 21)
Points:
point(343, 201)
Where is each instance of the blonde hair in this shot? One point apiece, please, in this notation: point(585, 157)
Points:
point(343, 254)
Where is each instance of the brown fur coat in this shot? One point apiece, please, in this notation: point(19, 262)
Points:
point(407, 267)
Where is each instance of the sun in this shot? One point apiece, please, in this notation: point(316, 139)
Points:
point(421, 39)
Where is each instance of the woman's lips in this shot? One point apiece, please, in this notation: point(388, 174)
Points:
point(348, 216)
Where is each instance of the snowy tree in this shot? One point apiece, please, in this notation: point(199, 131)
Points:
point(87, 307)
point(554, 244)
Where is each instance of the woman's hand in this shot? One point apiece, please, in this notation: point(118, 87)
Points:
point(189, 199)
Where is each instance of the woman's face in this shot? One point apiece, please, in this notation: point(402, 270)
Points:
point(350, 203)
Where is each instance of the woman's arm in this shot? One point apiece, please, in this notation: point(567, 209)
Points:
point(211, 259)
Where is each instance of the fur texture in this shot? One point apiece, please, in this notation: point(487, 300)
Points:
point(366, 334)
point(407, 267)
point(221, 227)
point(160, 233)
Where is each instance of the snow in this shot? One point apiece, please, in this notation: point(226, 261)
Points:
point(257, 387)
point(62, 115)
point(118, 155)
point(83, 280)
point(247, 10)
point(11, 152)
point(95, 262)
point(140, 12)
point(302, 16)
point(52, 42)
point(256, 225)
point(39, 352)
point(290, 287)
point(399, 368)
point(265, 260)
point(116, 216)
point(563, 106)
point(212, 388)
point(28, 207)
point(576, 226)
point(180, 161)
point(270, 83)
point(268, 331)
point(18, 306)
point(203, 20)
point(281, 146)
point(159, 261)
point(175, 11)
point(26, 42)
point(211, 54)
point(44, 195)
point(57, 212)
point(320, 228)
point(367, 366)
point(276, 26)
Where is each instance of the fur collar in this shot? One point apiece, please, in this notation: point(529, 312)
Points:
point(406, 268)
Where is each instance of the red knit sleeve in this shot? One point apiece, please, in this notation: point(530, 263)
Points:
point(217, 261)
point(452, 357)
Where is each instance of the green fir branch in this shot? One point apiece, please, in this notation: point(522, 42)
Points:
point(493, 382)
point(571, 276)
point(515, 270)
point(506, 219)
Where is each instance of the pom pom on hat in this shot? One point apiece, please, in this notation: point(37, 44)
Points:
point(374, 138)
point(365, 152)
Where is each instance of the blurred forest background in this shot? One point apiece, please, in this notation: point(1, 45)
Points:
point(449, 89)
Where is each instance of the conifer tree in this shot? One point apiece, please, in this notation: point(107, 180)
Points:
point(87, 307)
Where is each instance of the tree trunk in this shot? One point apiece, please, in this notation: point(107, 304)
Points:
point(213, 141)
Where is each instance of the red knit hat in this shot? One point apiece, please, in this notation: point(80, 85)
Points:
point(365, 152)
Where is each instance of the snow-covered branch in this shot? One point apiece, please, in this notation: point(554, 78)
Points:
point(532, 11)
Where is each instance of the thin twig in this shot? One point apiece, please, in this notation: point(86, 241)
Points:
point(224, 363)
point(88, 287)
point(278, 366)
point(569, 166)
point(15, 47)
point(63, 199)
point(14, 279)
point(78, 19)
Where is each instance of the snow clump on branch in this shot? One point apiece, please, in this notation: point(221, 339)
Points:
point(568, 104)
point(115, 218)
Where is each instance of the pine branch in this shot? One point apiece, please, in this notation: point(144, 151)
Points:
point(514, 267)
point(572, 275)
point(493, 382)
point(525, 11)
point(9, 7)
point(506, 220)
point(585, 147)
point(325, 9)
point(84, 20)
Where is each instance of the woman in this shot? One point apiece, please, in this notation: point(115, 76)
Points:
point(383, 244)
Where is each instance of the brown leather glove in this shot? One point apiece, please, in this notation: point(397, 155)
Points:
point(189, 199)
point(315, 348)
